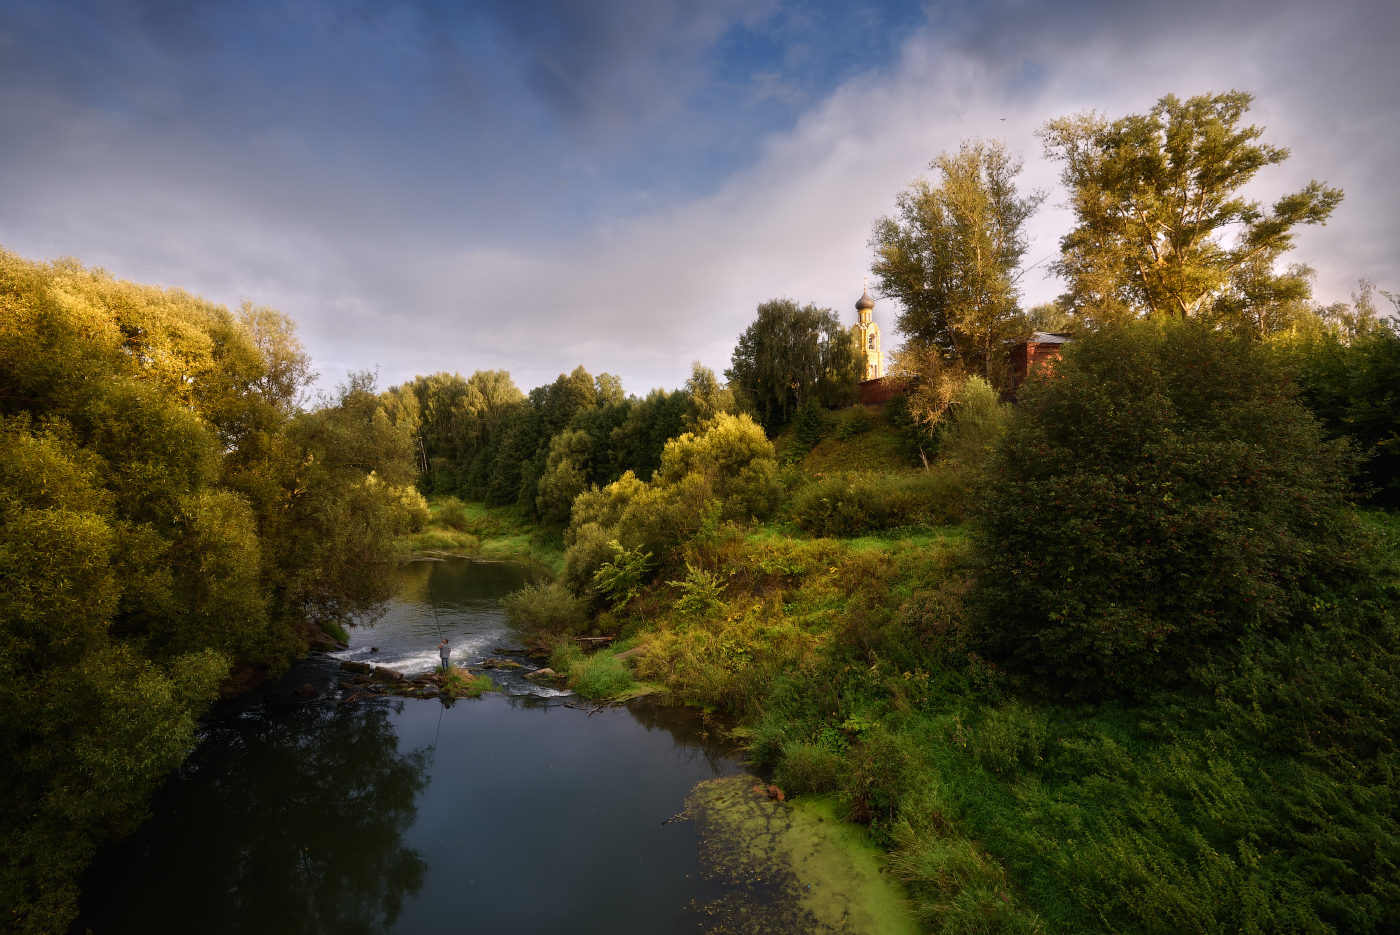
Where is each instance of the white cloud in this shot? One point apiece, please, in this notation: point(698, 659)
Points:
point(644, 295)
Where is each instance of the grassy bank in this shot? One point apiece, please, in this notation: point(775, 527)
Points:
point(477, 530)
point(1254, 798)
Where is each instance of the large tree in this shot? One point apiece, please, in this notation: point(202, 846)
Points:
point(1156, 197)
point(166, 511)
point(951, 256)
point(789, 354)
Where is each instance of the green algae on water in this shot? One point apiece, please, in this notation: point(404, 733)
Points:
point(793, 867)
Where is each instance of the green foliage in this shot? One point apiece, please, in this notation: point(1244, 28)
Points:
point(166, 510)
point(729, 462)
point(1154, 193)
point(708, 397)
point(950, 257)
point(975, 421)
point(811, 424)
point(451, 513)
point(916, 440)
point(546, 608)
point(1354, 388)
point(734, 459)
point(701, 592)
point(792, 353)
point(621, 578)
point(566, 475)
point(601, 675)
point(855, 421)
point(852, 504)
point(1155, 502)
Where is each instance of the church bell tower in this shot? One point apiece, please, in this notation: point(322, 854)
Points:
point(866, 335)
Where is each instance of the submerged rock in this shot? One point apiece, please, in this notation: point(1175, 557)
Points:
point(364, 667)
point(540, 673)
point(305, 691)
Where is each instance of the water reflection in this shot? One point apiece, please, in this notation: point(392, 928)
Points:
point(291, 825)
point(515, 810)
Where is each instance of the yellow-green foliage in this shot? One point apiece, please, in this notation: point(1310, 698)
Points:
point(1197, 810)
point(546, 608)
point(165, 510)
point(729, 462)
point(852, 504)
point(601, 675)
point(876, 449)
point(476, 529)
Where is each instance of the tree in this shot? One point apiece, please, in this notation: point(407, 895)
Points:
point(1157, 502)
point(166, 511)
point(1350, 379)
point(950, 257)
point(1155, 195)
point(791, 353)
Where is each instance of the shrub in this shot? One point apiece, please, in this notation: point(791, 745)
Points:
point(620, 578)
point(601, 675)
point(590, 549)
point(975, 422)
point(1355, 390)
point(852, 504)
point(811, 767)
point(451, 513)
point(729, 462)
point(811, 424)
point(408, 503)
point(548, 608)
point(701, 592)
point(1157, 499)
point(855, 421)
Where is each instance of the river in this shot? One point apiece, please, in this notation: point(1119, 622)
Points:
point(523, 811)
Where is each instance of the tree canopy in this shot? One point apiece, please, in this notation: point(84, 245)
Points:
point(951, 255)
point(1157, 499)
point(791, 353)
point(167, 510)
point(1156, 196)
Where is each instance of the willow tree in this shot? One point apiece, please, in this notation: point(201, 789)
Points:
point(792, 353)
point(952, 254)
point(1156, 198)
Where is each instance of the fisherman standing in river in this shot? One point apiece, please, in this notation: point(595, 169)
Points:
point(444, 653)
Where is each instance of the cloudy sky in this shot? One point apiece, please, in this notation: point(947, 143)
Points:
point(534, 184)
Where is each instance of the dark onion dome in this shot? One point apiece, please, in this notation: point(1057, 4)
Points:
point(864, 302)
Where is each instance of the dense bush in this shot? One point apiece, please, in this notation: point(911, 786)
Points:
point(1355, 390)
point(167, 510)
point(851, 504)
point(726, 471)
point(546, 608)
point(854, 421)
point(1157, 499)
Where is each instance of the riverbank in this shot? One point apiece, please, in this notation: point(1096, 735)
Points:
point(474, 530)
point(852, 667)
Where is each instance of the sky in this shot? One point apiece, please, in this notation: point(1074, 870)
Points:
point(536, 184)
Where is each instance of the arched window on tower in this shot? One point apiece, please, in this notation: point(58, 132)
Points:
point(871, 343)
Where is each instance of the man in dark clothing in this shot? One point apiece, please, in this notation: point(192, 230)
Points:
point(444, 653)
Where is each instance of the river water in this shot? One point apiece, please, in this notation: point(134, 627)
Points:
point(514, 812)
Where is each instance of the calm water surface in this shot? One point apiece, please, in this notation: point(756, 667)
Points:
point(511, 813)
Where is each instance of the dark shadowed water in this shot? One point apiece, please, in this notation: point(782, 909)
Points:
point(509, 813)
